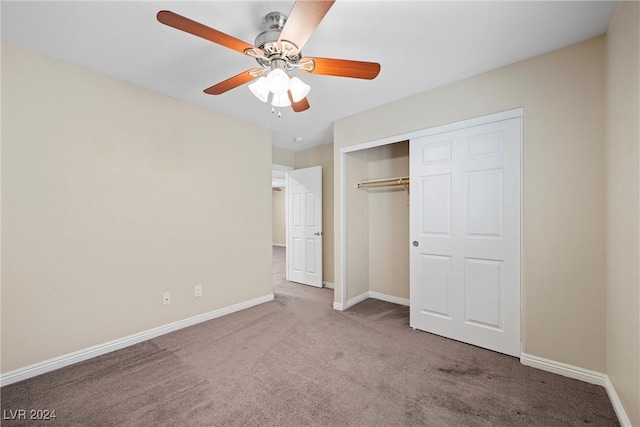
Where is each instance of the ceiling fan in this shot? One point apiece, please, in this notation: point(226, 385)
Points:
point(278, 52)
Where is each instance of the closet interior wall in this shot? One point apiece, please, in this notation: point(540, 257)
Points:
point(378, 223)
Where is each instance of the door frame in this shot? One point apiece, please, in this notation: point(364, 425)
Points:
point(479, 120)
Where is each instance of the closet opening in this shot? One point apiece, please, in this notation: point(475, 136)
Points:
point(377, 223)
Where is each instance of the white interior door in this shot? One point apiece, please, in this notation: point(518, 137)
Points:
point(304, 226)
point(465, 232)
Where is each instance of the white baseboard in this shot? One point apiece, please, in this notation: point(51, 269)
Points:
point(100, 349)
point(279, 245)
point(581, 374)
point(329, 285)
point(389, 298)
point(623, 418)
point(370, 294)
point(563, 369)
point(355, 300)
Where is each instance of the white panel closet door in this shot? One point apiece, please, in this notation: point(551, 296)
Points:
point(465, 232)
point(304, 226)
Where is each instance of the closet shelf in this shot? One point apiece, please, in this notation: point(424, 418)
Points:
point(403, 180)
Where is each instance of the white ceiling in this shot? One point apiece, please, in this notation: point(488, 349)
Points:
point(420, 45)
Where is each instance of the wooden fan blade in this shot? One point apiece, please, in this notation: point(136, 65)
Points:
point(197, 29)
point(231, 83)
point(343, 68)
point(303, 20)
point(299, 106)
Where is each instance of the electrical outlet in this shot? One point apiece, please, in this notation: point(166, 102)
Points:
point(166, 298)
point(197, 291)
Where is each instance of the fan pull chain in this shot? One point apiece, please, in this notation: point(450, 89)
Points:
point(273, 110)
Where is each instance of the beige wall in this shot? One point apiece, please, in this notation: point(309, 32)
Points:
point(283, 157)
point(562, 93)
point(113, 195)
point(279, 199)
point(322, 156)
point(357, 221)
point(623, 213)
point(389, 222)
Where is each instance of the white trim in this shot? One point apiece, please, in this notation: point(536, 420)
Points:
point(563, 369)
point(581, 374)
point(279, 245)
point(355, 300)
point(100, 349)
point(389, 298)
point(329, 285)
point(479, 120)
point(284, 168)
point(343, 228)
point(286, 227)
point(521, 230)
point(623, 418)
point(370, 294)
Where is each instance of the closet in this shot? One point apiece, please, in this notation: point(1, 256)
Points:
point(378, 222)
point(455, 252)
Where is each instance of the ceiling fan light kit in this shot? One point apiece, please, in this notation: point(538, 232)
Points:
point(260, 89)
point(281, 100)
point(299, 89)
point(277, 79)
point(277, 51)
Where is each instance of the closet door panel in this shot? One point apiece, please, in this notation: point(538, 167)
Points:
point(465, 215)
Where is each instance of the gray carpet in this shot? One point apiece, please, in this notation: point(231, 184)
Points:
point(295, 361)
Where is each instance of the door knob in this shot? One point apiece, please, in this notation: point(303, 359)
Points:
point(318, 233)
point(415, 243)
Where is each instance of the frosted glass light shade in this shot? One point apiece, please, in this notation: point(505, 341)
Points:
point(278, 81)
point(280, 100)
point(260, 89)
point(299, 89)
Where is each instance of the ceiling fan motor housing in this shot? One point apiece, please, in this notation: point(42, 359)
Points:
point(268, 42)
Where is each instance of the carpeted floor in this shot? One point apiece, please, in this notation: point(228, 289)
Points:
point(294, 362)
